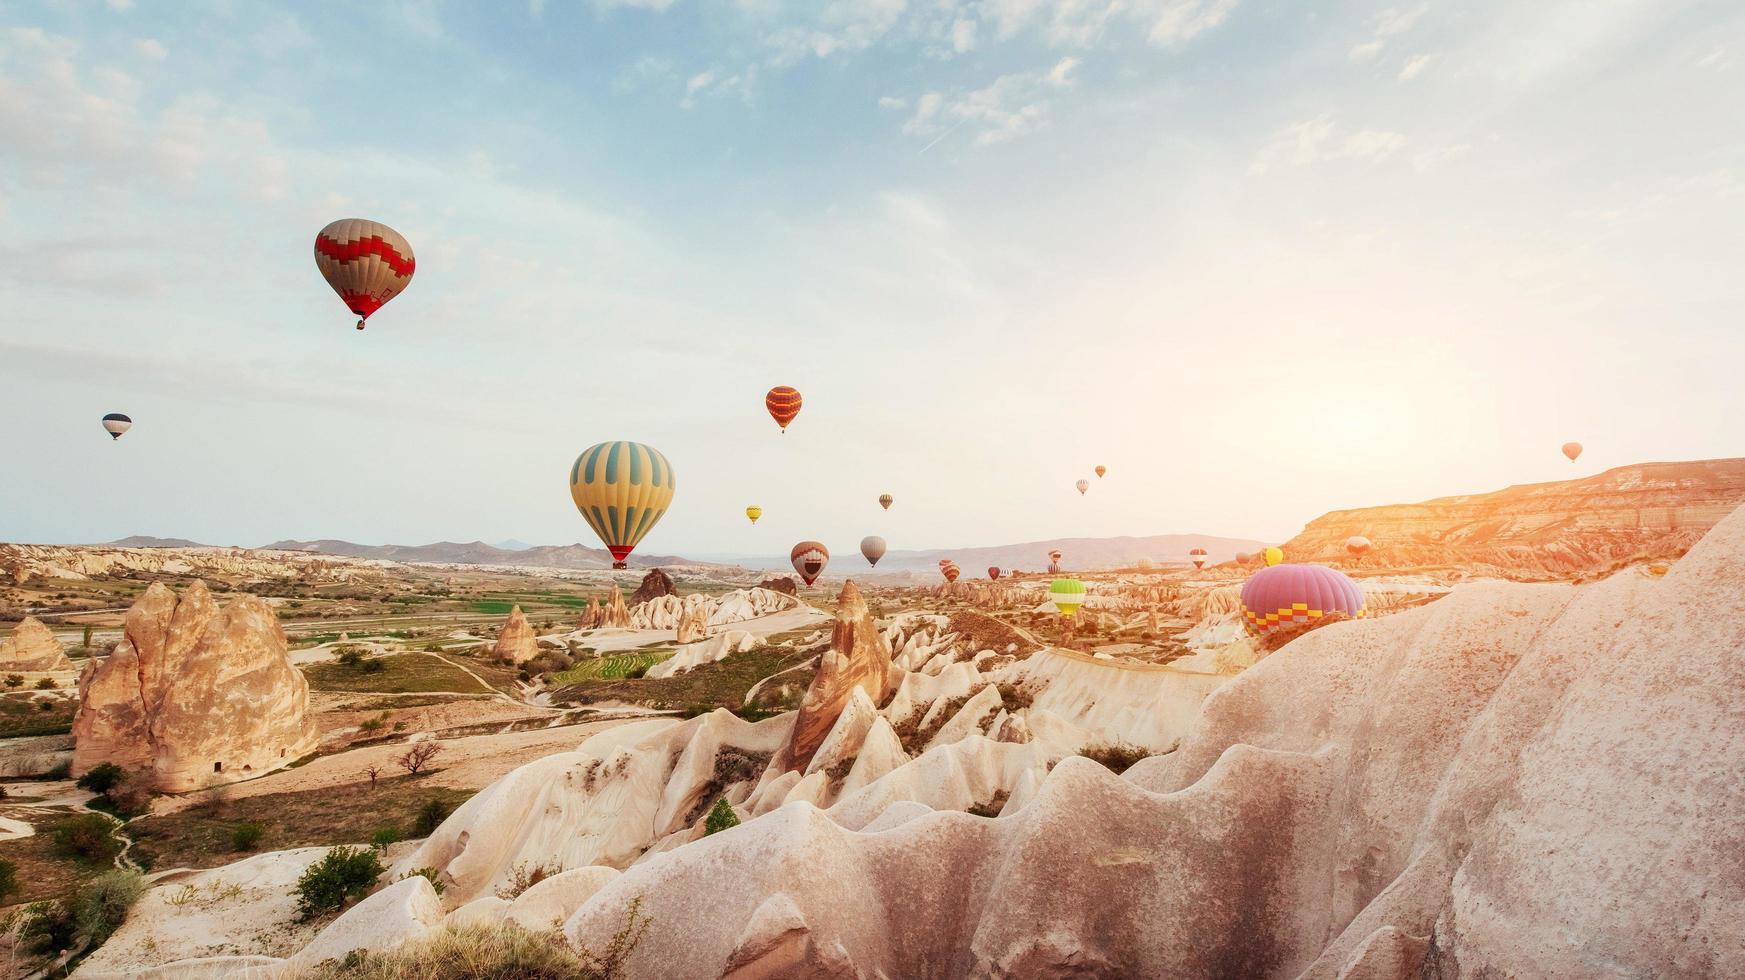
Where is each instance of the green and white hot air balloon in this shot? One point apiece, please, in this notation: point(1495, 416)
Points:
point(1068, 595)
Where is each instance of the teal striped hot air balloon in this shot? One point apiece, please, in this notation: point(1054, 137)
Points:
point(622, 490)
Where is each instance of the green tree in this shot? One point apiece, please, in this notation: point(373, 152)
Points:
point(721, 816)
point(343, 875)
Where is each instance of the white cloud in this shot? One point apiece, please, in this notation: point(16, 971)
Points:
point(963, 35)
point(655, 5)
point(1415, 66)
point(1010, 106)
point(1180, 21)
point(1389, 23)
point(1365, 51)
point(891, 102)
point(121, 6)
point(1319, 140)
point(1716, 58)
point(1061, 73)
point(713, 83)
point(536, 7)
point(649, 70)
point(150, 49)
point(1081, 23)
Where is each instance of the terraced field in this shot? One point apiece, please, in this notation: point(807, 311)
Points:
point(612, 668)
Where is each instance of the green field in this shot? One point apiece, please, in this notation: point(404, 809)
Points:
point(612, 668)
point(404, 674)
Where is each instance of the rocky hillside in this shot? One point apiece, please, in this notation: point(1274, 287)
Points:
point(480, 553)
point(1539, 530)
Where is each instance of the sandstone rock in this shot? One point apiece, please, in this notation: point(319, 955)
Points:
point(781, 583)
point(693, 626)
point(667, 612)
point(32, 647)
point(591, 615)
point(655, 584)
point(405, 910)
point(193, 695)
point(614, 614)
point(549, 903)
point(517, 642)
point(858, 658)
point(484, 910)
point(718, 647)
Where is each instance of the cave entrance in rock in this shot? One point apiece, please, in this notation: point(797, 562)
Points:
point(217, 767)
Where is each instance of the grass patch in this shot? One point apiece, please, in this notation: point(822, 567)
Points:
point(614, 667)
point(720, 684)
point(21, 717)
point(42, 873)
point(405, 673)
point(202, 835)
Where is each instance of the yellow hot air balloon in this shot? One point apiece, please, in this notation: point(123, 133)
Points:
point(622, 490)
point(1274, 556)
point(754, 512)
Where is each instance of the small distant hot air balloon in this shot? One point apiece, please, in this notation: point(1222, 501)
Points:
point(1242, 557)
point(809, 558)
point(885, 500)
point(1101, 470)
point(622, 489)
point(872, 548)
point(1054, 555)
point(1083, 485)
point(1068, 595)
point(116, 424)
point(1357, 544)
point(754, 512)
point(1283, 594)
point(1572, 450)
point(366, 262)
point(1274, 556)
point(951, 572)
point(1198, 557)
point(783, 403)
point(993, 571)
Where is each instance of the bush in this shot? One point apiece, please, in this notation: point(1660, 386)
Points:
point(524, 876)
point(48, 928)
point(8, 880)
point(430, 816)
point(349, 656)
point(101, 906)
point(498, 950)
point(86, 837)
point(102, 778)
point(14, 680)
point(434, 877)
point(721, 816)
point(1117, 757)
point(244, 836)
point(341, 876)
point(385, 836)
point(374, 666)
point(46, 684)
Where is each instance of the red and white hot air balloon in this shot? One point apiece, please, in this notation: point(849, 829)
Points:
point(366, 262)
point(809, 559)
point(950, 571)
point(1198, 557)
point(1357, 544)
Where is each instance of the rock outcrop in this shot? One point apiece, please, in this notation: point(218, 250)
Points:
point(784, 584)
point(194, 695)
point(1538, 531)
point(517, 643)
point(666, 612)
point(718, 647)
point(654, 585)
point(858, 658)
point(614, 614)
point(693, 626)
point(590, 616)
point(33, 647)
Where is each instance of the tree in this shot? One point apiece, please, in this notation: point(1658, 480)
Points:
point(721, 816)
point(419, 756)
point(343, 874)
point(102, 778)
point(373, 772)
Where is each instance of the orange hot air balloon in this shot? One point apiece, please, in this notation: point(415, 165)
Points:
point(809, 559)
point(951, 572)
point(885, 500)
point(1572, 450)
point(1101, 470)
point(783, 403)
point(1357, 544)
point(366, 262)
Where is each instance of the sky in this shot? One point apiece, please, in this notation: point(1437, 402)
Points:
point(1260, 259)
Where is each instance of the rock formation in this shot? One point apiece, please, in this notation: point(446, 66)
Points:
point(718, 647)
point(655, 584)
point(784, 584)
point(32, 647)
point(858, 658)
point(693, 626)
point(666, 612)
point(194, 695)
point(517, 643)
point(1541, 530)
point(590, 616)
point(614, 614)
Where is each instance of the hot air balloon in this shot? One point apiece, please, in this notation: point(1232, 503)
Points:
point(754, 512)
point(1054, 555)
point(1572, 450)
point(1083, 485)
point(885, 500)
point(1273, 556)
point(1198, 557)
point(622, 490)
point(1242, 557)
point(1357, 544)
point(993, 571)
point(783, 403)
point(1101, 470)
point(116, 424)
point(1068, 595)
point(809, 558)
point(1283, 594)
point(872, 548)
point(366, 262)
point(951, 572)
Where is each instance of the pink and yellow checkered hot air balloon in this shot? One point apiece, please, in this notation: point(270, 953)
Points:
point(366, 262)
point(1280, 595)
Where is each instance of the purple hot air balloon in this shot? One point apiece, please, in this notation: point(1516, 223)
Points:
point(1283, 594)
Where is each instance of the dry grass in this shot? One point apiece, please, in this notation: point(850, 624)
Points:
point(406, 673)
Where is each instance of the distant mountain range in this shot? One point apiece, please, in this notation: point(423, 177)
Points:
point(1076, 553)
point(480, 553)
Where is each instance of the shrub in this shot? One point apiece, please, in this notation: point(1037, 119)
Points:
point(430, 816)
point(244, 836)
point(102, 778)
point(349, 656)
point(373, 666)
point(385, 836)
point(342, 875)
point(524, 876)
point(86, 837)
point(46, 684)
point(1117, 757)
point(721, 816)
point(8, 880)
point(370, 725)
point(48, 928)
point(45, 706)
point(14, 680)
point(497, 950)
point(431, 874)
point(101, 906)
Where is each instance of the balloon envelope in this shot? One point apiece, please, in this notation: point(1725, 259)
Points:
point(1068, 595)
point(366, 262)
point(1274, 555)
point(885, 500)
point(1572, 450)
point(1280, 595)
point(993, 571)
point(1357, 544)
point(872, 548)
point(115, 424)
point(1083, 485)
point(754, 512)
point(1101, 470)
point(622, 490)
point(809, 559)
point(783, 404)
point(951, 572)
point(1198, 557)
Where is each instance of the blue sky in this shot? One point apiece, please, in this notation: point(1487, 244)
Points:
point(1262, 260)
